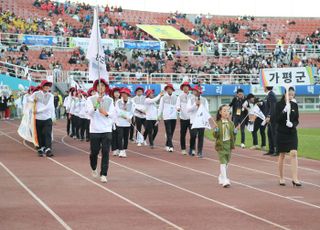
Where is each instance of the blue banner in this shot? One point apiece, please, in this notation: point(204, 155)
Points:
point(224, 90)
point(36, 40)
point(142, 45)
point(307, 90)
point(132, 87)
point(13, 82)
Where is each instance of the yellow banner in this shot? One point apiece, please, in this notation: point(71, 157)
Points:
point(164, 32)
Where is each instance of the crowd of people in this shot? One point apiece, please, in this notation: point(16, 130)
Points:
point(109, 117)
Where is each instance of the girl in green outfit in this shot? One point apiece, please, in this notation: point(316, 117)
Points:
point(224, 134)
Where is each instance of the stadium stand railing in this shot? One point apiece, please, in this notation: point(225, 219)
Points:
point(126, 77)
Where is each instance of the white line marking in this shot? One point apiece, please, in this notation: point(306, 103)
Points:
point(104, 188)
point(185, 190)
point(236, 182)
point(34, 196)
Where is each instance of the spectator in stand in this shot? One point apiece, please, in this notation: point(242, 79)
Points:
point(43, 55)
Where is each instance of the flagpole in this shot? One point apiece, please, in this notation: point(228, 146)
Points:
point(98, 44)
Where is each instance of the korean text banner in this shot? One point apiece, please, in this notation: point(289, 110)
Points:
point(142, 45)
point(36, 40)
point(287, 76)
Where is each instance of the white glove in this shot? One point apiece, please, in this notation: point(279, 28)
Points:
point(287, 108)
point(289, 124)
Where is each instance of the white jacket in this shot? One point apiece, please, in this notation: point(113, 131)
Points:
point(167, 107)
point(44, 105)
point(140, 108)
point(66, 103)
point(98, 122)
point(192, 108)
point(124, 112)
point(151, 108)
point(83, 114)
point(182, 102)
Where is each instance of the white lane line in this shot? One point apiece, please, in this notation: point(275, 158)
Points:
point(260, 171)
point(185, 190)
point(266, 160)
point(104, 188)
point(34, 196)
point(236, 182)
point(258, 159)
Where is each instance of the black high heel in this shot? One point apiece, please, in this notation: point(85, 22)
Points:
point(296, 184)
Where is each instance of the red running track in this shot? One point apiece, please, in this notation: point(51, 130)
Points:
point(151, 189)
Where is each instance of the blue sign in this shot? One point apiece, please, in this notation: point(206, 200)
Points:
point(13, 82)
point(35, 40)
point(307, 90)
point(132, 87)
point(142, 45)
point(224, 90)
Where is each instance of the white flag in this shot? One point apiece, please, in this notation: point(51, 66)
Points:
point(257, 111)
point(202, 119)
point(140, 138)
point(95, 53)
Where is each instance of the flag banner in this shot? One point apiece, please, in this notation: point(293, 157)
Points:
point(287, 76)
point(27, 129)
point(250, 126)
point(140, 138)
point(257, 112)
point(202, 119)
point(95, 53)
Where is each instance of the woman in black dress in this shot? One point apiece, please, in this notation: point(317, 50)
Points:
point(287, 138)
point(3, 106)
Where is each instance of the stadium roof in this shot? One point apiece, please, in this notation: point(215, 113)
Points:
point(163, 32)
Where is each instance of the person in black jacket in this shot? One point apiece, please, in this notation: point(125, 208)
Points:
point(270, 105)
point(238, 113)
point(287, 138)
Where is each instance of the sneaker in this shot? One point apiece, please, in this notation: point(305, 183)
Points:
point(171, 149)
point(103, 179)
point(41, 150)
point(152, 146)
point(94, 173)
point(192, 152)
point(242, 145)
point(122, 154)
point(145, 143)
point(200, 155)
point(167, 148)
point(263, 148)
point(87, 140)
point(132, 140)
point(48, 152)
point(139, 144)
point(115, 152)
point(74, 137)
point(255, 147)
point(184, 152)
point(226, 183)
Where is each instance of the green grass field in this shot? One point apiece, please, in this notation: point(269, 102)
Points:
point(309, 142)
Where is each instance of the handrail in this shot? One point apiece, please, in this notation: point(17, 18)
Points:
point(129, 77)
point(227, 49)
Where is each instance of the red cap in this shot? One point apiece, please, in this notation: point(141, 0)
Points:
point(139, 88)
point(185, 84)
point(198, 88)
point(126, 90)
point(36, 89)
point(45, 82)
point(103, 81)
point(90, 91)
point(72, 89)
point(149, 91)
point(169, 86)
point(31, 88)
point(114, 89)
